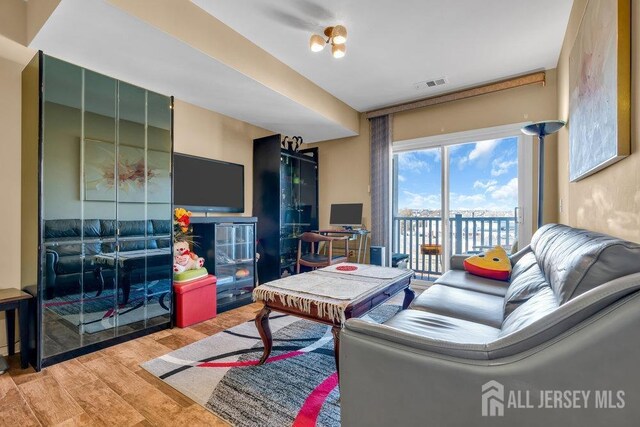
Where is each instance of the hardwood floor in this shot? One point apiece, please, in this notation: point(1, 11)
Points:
point(109, 387)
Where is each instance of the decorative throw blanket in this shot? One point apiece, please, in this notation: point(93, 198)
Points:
point(330, 289)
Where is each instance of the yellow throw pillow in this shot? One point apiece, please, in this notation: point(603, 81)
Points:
point(493, 264)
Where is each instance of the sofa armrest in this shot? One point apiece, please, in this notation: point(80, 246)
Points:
point(456, 262)
point(50, 275)
point(51, 264)
point(518, 255)
point(473, 351)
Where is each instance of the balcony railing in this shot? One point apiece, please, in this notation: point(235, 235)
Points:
point(421, 238)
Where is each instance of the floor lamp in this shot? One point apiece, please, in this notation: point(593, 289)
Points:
point(542, 129)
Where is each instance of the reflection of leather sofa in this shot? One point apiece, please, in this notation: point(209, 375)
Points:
point(63, 239)
point(568, 320)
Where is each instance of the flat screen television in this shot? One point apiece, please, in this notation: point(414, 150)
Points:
point(207, 185)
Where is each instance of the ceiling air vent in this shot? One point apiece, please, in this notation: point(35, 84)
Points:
point(428, 84)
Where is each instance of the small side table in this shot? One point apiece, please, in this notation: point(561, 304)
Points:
point(10, 300)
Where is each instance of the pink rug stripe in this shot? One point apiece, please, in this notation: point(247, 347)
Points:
point(312, 406)
point(249, 362)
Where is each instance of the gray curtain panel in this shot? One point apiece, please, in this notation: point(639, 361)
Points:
point(380, 181)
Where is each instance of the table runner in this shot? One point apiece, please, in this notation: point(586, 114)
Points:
point(329, 289)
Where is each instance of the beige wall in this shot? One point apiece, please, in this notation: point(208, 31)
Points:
point(527, 103)
point(10, 113)
point(608, 201)
point(344, 173)
point(344, 163)
point(204, 133)
point(13, 18)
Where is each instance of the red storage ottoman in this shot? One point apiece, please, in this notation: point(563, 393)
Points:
point(195, 301)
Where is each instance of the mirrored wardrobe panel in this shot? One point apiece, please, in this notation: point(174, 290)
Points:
point(105, 215)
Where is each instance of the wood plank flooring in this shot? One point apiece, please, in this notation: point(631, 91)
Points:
point(109, 387)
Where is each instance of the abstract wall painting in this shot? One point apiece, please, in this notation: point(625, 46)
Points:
point(600, 89)
point(135, 182)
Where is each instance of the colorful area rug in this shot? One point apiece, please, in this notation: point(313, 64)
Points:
point(93, 314)
point(298, 385)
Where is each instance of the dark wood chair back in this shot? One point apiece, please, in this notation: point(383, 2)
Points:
point(315, 240)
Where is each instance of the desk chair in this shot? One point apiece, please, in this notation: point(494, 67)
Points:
point(314, 258)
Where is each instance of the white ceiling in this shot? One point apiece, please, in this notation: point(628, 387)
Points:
point(101, 37)
point(394, 44)
point(391, 46)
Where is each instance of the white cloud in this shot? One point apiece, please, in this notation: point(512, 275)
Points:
point(401, 178)
point(509, 191)
point(482, 150)
point(501, 166)
point(485, 185)
point(421, 201)
point(469, 198)
point(434, 153)
point(409, 161)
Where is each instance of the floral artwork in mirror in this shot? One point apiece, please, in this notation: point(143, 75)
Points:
point(100, 172)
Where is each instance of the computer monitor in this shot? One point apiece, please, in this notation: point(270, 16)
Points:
point(346, 214)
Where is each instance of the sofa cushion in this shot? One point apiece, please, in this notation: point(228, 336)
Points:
point(73, 264)
point(161, 226)
point(134, 228)
point(444, 328)
point(527, 279)
point(463, 280)
point(462, 304)
point(575, 261)
point(539, 305)
point(64, 228)
point(69, 246)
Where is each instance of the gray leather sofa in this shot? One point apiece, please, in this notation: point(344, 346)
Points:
point(564, 332)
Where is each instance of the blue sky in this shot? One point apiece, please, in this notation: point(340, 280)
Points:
point(483, 176)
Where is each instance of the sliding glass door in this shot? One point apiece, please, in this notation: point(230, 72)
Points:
point(483, 195)
point(460, 195)
point(417, 208)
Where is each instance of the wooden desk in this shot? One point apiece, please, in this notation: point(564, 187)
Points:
point(10, 300)
point(361, 234)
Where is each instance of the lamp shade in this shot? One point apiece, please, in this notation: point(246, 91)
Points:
point(339, 34)
point(338, 50)
point(316, 43)
point(543, 128)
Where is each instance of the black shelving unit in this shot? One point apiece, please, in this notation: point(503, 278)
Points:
point(228, 246)
point(285, 201)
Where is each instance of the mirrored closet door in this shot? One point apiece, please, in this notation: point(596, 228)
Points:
point(105, 210)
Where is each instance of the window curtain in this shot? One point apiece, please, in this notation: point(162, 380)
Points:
point(380, 128)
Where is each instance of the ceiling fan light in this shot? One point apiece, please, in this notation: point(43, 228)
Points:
point(338, 50)
point(316, 43)
point(339, 34)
